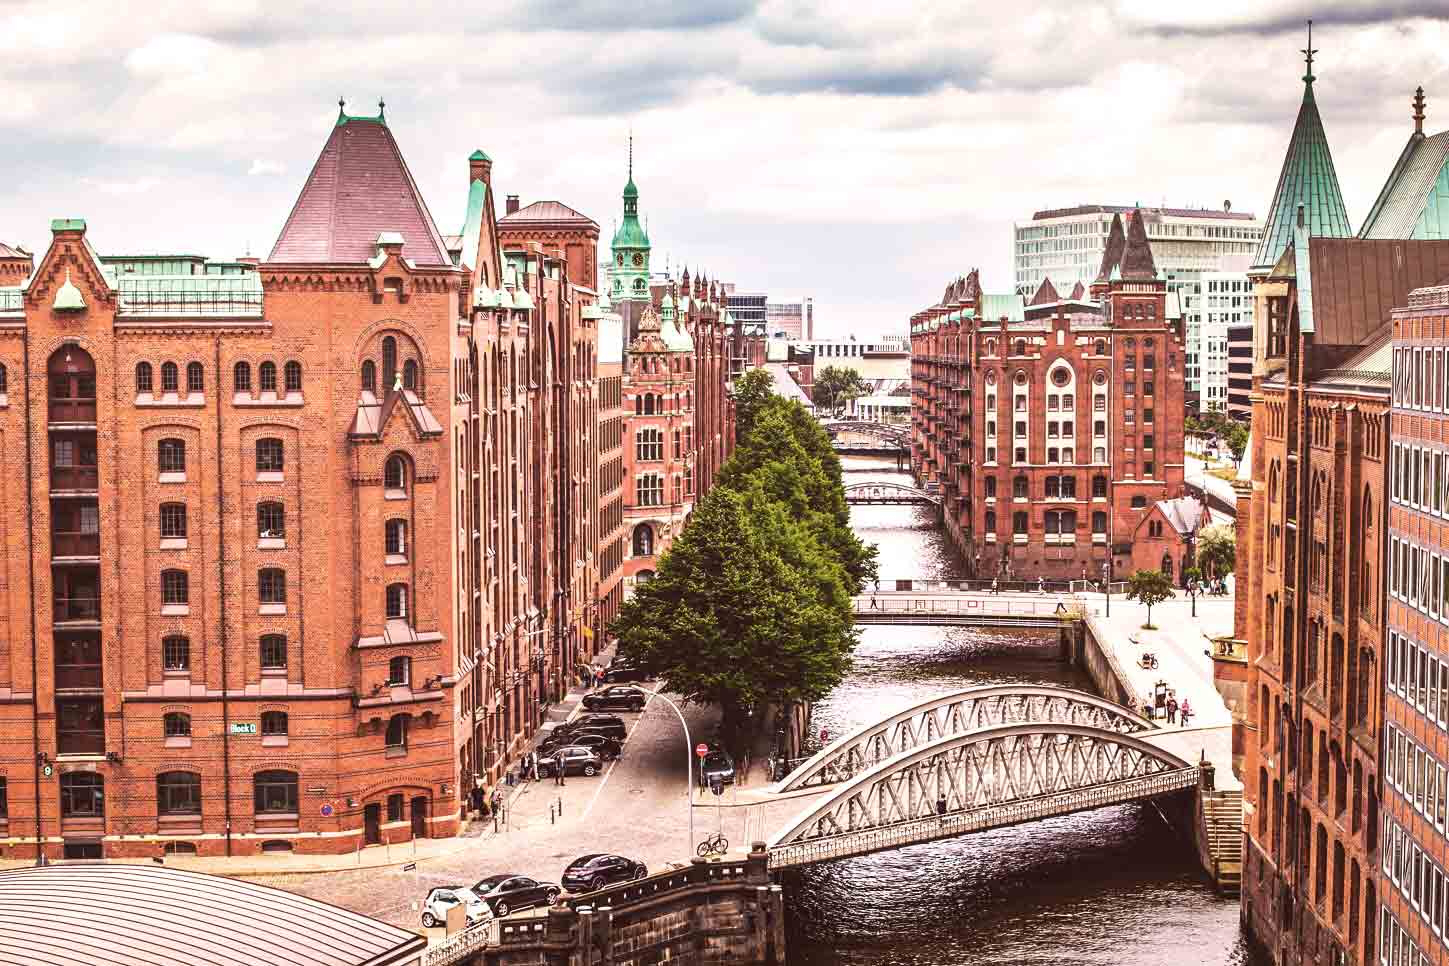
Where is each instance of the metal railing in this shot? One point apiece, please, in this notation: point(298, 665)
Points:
point(73, 477)
point(984, 605)
point(206, 295)
point(71, 410)
point(66, 543)
point(979, 819)
point(458, 946)
point(77, 742)
point(85, 677)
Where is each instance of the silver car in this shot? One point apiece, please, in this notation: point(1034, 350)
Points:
point(443, 898)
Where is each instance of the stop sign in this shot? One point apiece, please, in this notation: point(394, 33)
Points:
point(701, 749)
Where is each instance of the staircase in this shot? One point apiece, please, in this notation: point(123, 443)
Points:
point(1222, 837)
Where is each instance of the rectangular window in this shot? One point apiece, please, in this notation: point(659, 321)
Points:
point(173, 520)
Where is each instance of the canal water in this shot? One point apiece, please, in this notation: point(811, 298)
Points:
point(1115, 886)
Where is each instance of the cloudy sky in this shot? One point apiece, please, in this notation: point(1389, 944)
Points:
point(861, 153)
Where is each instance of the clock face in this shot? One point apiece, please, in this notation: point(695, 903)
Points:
point(638, 259)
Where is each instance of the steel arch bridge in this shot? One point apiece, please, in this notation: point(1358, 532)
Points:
point(955, 713)
point(988, 778)
point(888, 494)
point(885, 432)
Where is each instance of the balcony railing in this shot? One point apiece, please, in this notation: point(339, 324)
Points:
point(74, 544)
point(73, 478)
point(77, 609)
point(78, 742)
point(69, 410)
point(78, 677)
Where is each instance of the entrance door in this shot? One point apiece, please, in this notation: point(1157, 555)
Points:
point(372, 824)
point(420, 817)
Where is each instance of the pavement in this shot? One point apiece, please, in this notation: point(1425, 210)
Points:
point(1195, 471)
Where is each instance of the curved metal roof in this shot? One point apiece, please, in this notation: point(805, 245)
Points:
point(135, 915)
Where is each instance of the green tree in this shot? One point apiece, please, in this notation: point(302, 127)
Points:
point(1237, 440)
point(835, 387)
point(1217, 550)
point(1149, 587)
point(745, 607)
point(751, 393)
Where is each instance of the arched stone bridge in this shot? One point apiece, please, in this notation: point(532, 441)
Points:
point(889, 494)
point(956, 713)
point(896, 435)
point(975, 780)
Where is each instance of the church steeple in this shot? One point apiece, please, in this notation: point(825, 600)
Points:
point(1307, 180)
point(629, 273)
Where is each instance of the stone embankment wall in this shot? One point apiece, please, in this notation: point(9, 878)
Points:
point(724, 912)
point(1082, 646)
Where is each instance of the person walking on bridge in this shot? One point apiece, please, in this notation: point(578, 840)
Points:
point(1172, 710)
point(1186, 712)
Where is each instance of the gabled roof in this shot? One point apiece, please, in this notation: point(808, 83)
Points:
point(1307, 179)
point(1184, 514)
point(1414, 202)
point(1112, 251)
point(359, 188)
point(1046, 293)
point(546, 211)
point(8, 252)
point(1079, 292)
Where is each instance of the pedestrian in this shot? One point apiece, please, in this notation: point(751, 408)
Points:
point(874, 604)
point(995, 585)
point(1186, 712)
point(1171, 710)
point(941, 804)
point(558, 769)
point(497, 802)
point(531, 763)
point(598, 677)
point(1041, 585)
point(1147, 707)
point(475, 799)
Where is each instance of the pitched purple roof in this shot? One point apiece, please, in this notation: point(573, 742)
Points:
point(545, 211)
point(359, 188)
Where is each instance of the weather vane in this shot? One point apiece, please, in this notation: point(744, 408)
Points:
point(1308, 53)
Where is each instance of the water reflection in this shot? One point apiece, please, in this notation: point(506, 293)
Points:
point(1112, 886)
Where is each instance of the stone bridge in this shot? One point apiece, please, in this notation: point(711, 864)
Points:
point(887, 433)
point(889, 494)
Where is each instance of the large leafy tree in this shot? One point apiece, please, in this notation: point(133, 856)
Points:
point(836, 386)
point(752, 392)
point(1217, 550)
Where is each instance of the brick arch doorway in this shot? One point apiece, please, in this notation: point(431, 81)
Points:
point(418, 815)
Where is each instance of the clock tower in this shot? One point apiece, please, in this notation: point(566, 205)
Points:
point(629, 266)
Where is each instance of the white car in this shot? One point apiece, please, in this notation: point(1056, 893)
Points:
point(443, 898)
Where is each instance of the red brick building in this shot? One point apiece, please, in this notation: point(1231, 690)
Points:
point(1166, 537)
point(1051, 427)
point(308, 546)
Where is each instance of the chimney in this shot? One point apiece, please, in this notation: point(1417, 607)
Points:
point(510, 205)
point(480, 166)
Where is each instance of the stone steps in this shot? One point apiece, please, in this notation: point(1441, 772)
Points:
point(1222, 813)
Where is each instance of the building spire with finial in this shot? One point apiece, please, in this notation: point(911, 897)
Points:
point(381, 109)
point(1419, 111)
point(631, 153)
point(1308, 53)
point(341, 109)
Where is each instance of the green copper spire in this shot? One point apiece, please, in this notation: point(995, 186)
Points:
point(1307, 179)
point(629, 274)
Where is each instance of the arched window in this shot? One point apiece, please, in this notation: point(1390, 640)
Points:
point(195, 377)
point(176, 648)
point(175, 587)
point(241, 377)
point(292, 376)
point(389, 363)
point(82, 795)
point(271, 521)
point(410, 375)
point(171, 456)
point(274, 724)
point(143, 377)
point(397, 601)
point(272, 585)
point(168, 377)
point(269, 455)
point(397, 731)
point(176, 724)
point(638, 405)
point(273, 652)
point(649, 404)
point(395, 534)
point(173, 521)
point(267, 377)
point(369, 376)
point(275, 792)
point(643, 540)
point(395, 473)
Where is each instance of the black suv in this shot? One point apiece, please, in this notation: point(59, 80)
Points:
point(509, 893)
point(607, 748)
point(718, 766)
point(589, 873)
point(616, 697)
point(610, 725)
point(622, 672)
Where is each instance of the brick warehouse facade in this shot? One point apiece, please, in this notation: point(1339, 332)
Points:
point(309, 545)
point(1051, 427)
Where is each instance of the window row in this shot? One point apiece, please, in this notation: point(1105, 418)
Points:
point(1420, 880)
point(271, 586)
point(653, 403)
point(170, 377)
point(1419, 677)
point(1417, 478)
point(1420, 578)
point(1053, 521)
point(1417, 775)
point(171, 456)
point(241, 377)
point(1420, 376)
point(177, 724)
point(1398, 947)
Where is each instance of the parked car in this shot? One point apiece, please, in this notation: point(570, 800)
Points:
point(601, 724)
point(616, 697)
point(510, 892)
point(596, 870)
point(443, 898)
point(717, 765)
point(608, 748)
point(622, 672)
point(577, 760)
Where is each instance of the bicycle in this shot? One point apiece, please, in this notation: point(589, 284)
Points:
point(716, 844)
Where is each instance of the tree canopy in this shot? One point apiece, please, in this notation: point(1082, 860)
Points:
point(836, 386)
point(1217, 550)
point(1149, 587)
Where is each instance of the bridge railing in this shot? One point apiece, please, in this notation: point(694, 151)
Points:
point(896, 584)
point(985, 605)
point(978, 819)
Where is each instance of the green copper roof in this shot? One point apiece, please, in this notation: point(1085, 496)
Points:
point(631, 234)
point(630, 191)
point(473, 222)
point(479, 156)
point(68, 298)
point(1307, 179)
point(1010, 307)
point(1414, 202)
point(67, 224)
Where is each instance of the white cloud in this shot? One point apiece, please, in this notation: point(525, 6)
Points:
point(261, 166)
point(134, 186)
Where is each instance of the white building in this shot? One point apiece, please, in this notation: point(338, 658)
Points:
point(1220, 301)
point(887, 358)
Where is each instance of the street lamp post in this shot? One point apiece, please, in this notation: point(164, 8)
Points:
point(688, 761)
point(1107, 580)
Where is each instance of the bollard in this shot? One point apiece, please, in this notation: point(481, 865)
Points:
point(560, 807)
point(550, 813)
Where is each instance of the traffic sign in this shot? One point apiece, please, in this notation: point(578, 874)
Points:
point(326, 810)
point(701, 749)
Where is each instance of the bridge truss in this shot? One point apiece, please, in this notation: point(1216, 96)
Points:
point(956, 713)
point(889, 494)
point(976, 780)
point(885, 432)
